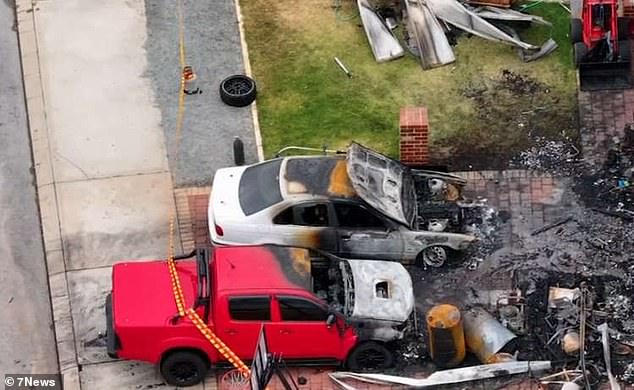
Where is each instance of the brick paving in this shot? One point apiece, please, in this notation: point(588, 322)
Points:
point(191, 206)
point(529, 199)
point(602, 117)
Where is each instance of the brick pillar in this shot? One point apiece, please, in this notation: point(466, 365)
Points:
point(414, 127)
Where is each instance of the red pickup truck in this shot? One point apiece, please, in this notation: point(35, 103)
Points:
point(316, 308)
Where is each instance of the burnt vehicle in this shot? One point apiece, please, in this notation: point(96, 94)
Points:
point(376, 297)
point(316, 308)
point(362, 205)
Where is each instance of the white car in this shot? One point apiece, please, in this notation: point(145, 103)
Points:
point(362, 205)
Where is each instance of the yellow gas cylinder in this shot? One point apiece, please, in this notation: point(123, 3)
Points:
point(446, 335)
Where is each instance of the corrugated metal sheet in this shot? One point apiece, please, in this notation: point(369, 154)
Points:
point(384, 45)
point(428, 35)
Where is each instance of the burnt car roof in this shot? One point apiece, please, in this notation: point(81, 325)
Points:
point(318, 176)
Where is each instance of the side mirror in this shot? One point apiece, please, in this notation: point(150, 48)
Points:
point(331, 319)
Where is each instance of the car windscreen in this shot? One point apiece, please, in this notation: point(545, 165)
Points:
point(260, 186)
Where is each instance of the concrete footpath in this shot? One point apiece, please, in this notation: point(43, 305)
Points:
point(103, 177)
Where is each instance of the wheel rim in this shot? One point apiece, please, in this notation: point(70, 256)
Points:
point(234, 379)
point(435, 256)
point(237, 86)
point(184, 372)
point(371, 359)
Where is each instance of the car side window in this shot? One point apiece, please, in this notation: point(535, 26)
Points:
point(354, 216)
point(311, 215)
point(299, 309)
point(250, 308)
point(284, 218)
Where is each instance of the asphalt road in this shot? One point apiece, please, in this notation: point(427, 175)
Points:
point(27, 342)
point(212, 43)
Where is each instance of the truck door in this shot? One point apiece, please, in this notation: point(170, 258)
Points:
point(300, 331)
point(241, 327)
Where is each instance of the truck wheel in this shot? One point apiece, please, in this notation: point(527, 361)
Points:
point(432, 256)
point(370, 356)
point(579, 52)
point(238, 90)
point(576, 30)
point(184, 368)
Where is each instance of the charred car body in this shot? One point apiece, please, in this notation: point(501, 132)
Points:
point(362, 205)
point(316, 308)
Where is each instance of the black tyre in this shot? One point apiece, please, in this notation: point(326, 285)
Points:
point(624, 50)
point(576, 30)
point(184, 368)
point(238, 90)
point(579, 51)
point(432, 256)
point(623, 28)
point(370, 356)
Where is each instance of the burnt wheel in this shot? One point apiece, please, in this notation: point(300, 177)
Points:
point(432, 256)
point(238, 90)
point(184, 368)
point(370, 356)
point(576, 30)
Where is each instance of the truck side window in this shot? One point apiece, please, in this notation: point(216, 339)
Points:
point(299, 309)
point(250, 308)
point(354, 216)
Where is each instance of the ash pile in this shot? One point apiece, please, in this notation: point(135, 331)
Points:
point(612, 184)
point(575, 276)
point(563, 292)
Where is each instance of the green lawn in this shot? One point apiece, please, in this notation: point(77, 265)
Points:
point(305, 99)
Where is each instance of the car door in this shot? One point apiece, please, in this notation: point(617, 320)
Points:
point(308, 224)
point(241, 329)
point(300, 331)
point(363, 234)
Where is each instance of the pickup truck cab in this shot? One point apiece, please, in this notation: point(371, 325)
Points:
point(316, 308)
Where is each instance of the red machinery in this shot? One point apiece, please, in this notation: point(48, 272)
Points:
point(600, 45)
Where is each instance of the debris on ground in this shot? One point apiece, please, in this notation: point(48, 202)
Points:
point(445, 377)
point(560, 288)
point(552, 156)
point(430, 25)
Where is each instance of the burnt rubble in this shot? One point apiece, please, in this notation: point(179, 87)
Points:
point(586, 256)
